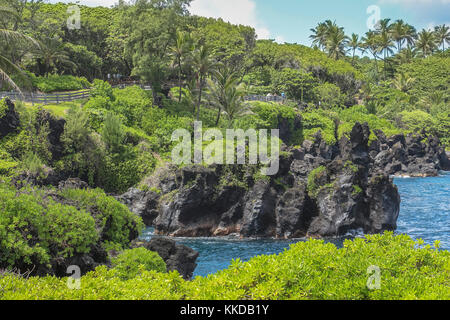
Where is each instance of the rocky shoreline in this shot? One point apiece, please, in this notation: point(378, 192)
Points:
point(320, 191)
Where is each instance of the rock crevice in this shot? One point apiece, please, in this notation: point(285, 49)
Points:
point(320, 190)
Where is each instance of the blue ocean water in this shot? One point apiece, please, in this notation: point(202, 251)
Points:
point(425, 214)
point(425, 208)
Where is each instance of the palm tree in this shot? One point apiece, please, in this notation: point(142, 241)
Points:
point(319, 35)
point(398, 31)
point(179, 53)
point(336, 42)
point(410, 35)
point(371, 43)
point(403, 82)
point(426, 42)
point(442, 34)
point(50, 53)
point(383, 26)
point(331, 38)
point(354, 45)
point(203, 64)
point(236, 105)
point(386, 44)
point(218, 90)
point(190, 95)
point(7, 67)
point(434, 99)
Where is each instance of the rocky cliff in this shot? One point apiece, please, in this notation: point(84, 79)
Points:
point(320, 190)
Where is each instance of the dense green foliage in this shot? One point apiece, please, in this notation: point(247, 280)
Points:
point(308, 270)
point(54, 83)
point(129, 263)
point(314, 180)
point(36, 228)
point(33, 231)
point(198, 69)
point(116, 223)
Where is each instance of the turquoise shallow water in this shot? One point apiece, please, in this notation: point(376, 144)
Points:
point(425, 213)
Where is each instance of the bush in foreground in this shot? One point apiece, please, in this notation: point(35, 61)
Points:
point(39, 229)
point(130, 262)
point(309, 270)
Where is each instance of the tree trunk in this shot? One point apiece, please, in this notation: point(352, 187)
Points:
point(179, 80)
point(199, 98)
point(218, 117)
point(376, 66)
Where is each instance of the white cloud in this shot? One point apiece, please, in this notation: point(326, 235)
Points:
point(233, 11)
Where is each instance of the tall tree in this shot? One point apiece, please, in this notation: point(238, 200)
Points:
point(319, 35)
point(180, 52)
point(336, 42)
point(204, 64)
point(426, 42)
point(442, 34)
point(410, 36)
point(331, 38)
point(383, 26)
point(50, 53)
point(398, 30)
point(226, 93)
point(371, 44)
point(7, 67)
point(152, 26)
point(407, 55)
point(354, 44)
point(385, 44)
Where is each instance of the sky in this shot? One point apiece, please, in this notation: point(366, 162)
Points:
point(291, 20)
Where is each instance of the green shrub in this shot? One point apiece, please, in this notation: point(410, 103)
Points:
point(33, 165)
point(130, 263)
point(33, 231)
point(308, 270)
point(271, 116)
point(348, 118)
point(7, 167)
point(3, 108)
point(76, 131)
point(119, 173)
point(98, 102)
point(55, 82)
point(442, 127)
point(319, 120)
point(160, 125)
point(420, 122)
point(131, 103)
point(7, 163)
point(328, 95)
point(112, 133)
point(315, 270)
point(313, 180)
point(114, 221)
point(103, 89)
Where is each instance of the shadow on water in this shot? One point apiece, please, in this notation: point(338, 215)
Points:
point(425, 213)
